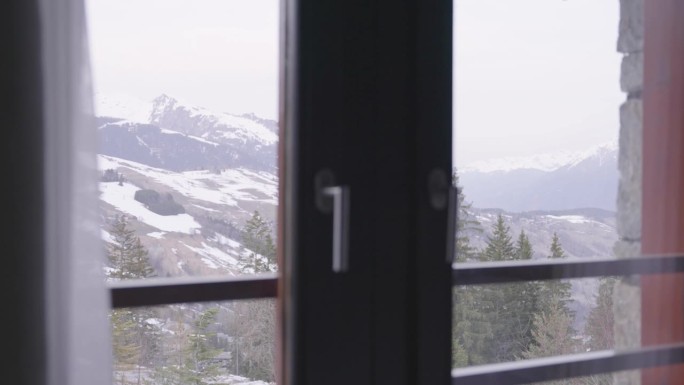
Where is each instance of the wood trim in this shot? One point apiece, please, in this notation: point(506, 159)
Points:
point(662, 316)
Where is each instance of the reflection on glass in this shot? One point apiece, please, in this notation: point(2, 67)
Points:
point(186, 98)
point(223, 343)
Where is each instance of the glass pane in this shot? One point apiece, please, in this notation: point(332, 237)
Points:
point(219, 343)
point(537, 103)
point(547, 155)
point(186, 104)
point(516, 321)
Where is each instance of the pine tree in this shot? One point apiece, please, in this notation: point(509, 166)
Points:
point(556, 290)
point(200, 353)
point(127, 256)
point(256, 237)
point(255, 320)
point(499, 244)
point(524, 296)
point(471, 329)
point(500, 304)
point(134, 339)
point(472, 332)
point(465, 224)
point(600, 321)
point(553, 334)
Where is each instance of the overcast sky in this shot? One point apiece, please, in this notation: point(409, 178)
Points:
point(534, 76)
point(218, 54)
point(531, 76)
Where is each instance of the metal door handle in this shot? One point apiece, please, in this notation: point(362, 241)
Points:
point(331, 198)
point(340, 254)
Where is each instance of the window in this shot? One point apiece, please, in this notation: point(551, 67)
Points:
point(655, 299)
point(185, 97)
point(366, 105)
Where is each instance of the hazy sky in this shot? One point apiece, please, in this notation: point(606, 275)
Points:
point(218, 54)
point(531, 76)
point(534, 76)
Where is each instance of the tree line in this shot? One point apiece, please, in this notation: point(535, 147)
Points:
point(514, 321)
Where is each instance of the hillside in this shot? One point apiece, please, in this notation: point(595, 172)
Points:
point(218, 167)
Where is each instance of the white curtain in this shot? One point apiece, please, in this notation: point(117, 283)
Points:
point(78, 331)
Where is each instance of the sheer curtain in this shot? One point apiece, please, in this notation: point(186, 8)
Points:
point(78, 340)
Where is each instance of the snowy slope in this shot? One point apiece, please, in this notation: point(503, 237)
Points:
point(226, 188)
point(121, 197)
point(170, 113)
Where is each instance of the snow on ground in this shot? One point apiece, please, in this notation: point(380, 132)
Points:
point(224, 189)
point(197, 138)
point(212, 256)
point(121, 197)
point(242, 128)
point(156, 234)
point(231, 379)
point(235, 247)
point(571, 218)
point(106, 236)
point(235, 126)
point(207, 209)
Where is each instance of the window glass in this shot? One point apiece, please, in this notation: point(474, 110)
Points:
point(186, 105)
point(211, 343)
point(547, 160)
point(517, 321)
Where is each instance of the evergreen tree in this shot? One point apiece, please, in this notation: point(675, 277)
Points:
point(255, 320)
point(191, 359)
point(556, 290)
point(523, 247)
point(256, 237)
point(127, 256)
point(200, 353)
point(499, 244)
point(524, 296)
point(471, 329)
point(134, 339)
point(465, 224)
point(472, 332)
point(501, 304)
point(600, 322)
point(553, 334)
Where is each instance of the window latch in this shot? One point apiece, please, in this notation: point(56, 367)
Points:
point(333, 198)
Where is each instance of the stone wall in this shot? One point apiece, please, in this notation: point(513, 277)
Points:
point(627, 296)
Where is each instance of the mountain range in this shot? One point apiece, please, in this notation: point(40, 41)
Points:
point(221, 167)
point(560, 181)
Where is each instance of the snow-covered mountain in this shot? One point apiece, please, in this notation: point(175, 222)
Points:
point(558, 181)
point(168, 134)
point(219, 168)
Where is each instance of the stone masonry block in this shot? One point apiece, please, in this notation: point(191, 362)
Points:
point(632, 73)
point(631, 29)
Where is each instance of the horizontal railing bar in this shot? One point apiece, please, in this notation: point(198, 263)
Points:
point(478, 273)
point(562, 367)
point(167, 291)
